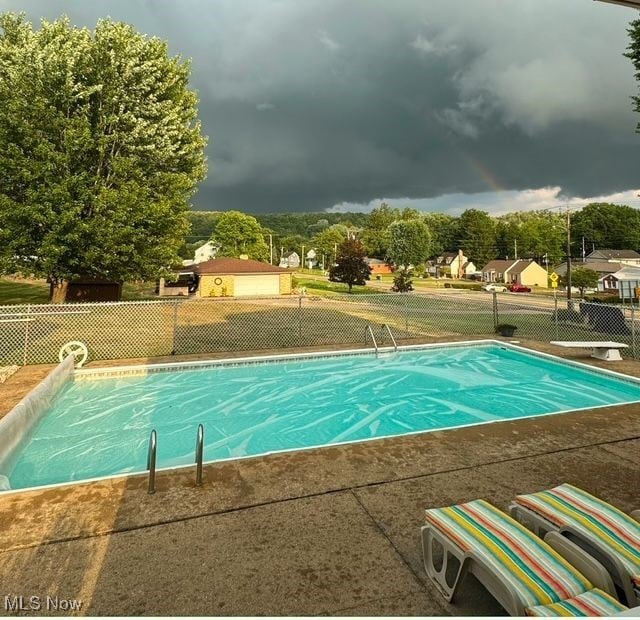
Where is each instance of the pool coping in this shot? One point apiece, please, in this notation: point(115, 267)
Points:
point(37, 403)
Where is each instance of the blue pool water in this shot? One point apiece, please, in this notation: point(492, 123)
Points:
point(101, 427)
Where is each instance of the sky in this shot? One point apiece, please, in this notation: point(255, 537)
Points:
point(440, 105)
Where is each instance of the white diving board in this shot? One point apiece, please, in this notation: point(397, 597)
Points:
point(602, 350)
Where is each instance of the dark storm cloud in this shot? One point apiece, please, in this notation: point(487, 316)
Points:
point(310, 103)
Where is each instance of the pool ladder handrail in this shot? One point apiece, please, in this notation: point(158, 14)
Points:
point(368, 331)
point(151, 461)
point(385, 326)
point(199, 454)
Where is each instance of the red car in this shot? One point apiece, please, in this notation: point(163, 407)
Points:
point(519, 288)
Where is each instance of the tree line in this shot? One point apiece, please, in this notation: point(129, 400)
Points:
point(539, 235)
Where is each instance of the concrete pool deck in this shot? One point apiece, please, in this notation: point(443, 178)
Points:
point(332, 531)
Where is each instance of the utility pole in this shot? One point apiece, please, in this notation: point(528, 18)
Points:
point(515, 249)
point(270, 249)
point(302, 258)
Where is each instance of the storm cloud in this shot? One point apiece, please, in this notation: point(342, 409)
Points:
point(310, 104)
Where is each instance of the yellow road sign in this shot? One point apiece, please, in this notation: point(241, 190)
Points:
point(554, 284)
point(553, 277)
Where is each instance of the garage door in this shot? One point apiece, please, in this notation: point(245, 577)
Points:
point(256, 285)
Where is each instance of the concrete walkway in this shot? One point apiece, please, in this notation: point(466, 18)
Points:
point(333, 531)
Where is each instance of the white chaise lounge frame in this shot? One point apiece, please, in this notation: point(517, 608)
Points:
point(605, 350)
point(501, 590)
point(579, 545)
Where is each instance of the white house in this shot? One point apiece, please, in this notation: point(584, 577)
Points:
point(311, 259)
point(626, 257)
point(456, 264)
point(290, 260)
point(625, 281)
point(205, 252)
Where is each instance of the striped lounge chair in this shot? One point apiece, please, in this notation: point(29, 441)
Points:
point(593, 526)
point(523, 573)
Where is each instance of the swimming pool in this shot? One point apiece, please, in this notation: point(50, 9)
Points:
point(99, 423)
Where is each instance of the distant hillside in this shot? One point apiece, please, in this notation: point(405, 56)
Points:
point(282, 224)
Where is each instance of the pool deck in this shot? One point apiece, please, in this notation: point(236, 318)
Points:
point(331, 531)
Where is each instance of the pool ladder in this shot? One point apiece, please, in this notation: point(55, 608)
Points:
point(152, 452)
point(368, 333)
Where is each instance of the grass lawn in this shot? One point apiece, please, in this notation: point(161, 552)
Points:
point(21, 291)
point(325, 288)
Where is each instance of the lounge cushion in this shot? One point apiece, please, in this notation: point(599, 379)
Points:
point(538, 574)
point(592, 603)
point(567, 505)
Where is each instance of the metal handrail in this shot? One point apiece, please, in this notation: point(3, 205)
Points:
point(393, 340)
point(199, 454)
point(151, 461)
point(368, 331)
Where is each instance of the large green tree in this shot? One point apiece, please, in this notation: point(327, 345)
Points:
point(476, 236)
point(375, 235)
point(409, 242)
point(605, 225)
point(409, 246)
point(100, 151)
point(236, 233)
point(633, 53)
point(583, 278)
point(443, 229)
point(540, 235)
point(327, 242)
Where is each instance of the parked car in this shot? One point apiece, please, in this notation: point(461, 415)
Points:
point(492, 287)
point(519, 288)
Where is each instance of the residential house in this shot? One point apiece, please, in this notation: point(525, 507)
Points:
point(497, 270)
point(626, 257)
point(518, 271)
point(205, 252)
point(601, 267)
point(625, 282)
point(289, 260)
point(310, 259)
point(527, 273)
point(378, 267)
point(241, 277)
point(454, 264)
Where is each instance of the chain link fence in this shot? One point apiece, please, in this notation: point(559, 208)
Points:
point(33, 334)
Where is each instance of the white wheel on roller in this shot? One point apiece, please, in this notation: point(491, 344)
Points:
point(77, 349)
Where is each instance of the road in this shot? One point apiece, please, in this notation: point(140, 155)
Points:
point(520, 299)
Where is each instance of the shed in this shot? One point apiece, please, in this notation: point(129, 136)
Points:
point(238, 277)
point(92, 289)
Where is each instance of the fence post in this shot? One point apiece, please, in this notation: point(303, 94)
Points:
point(175, 327)
point(300, 319)
point(495, 310)
point(555, 313)
point(26, 335)
point(633, 331)
point(406, 315)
